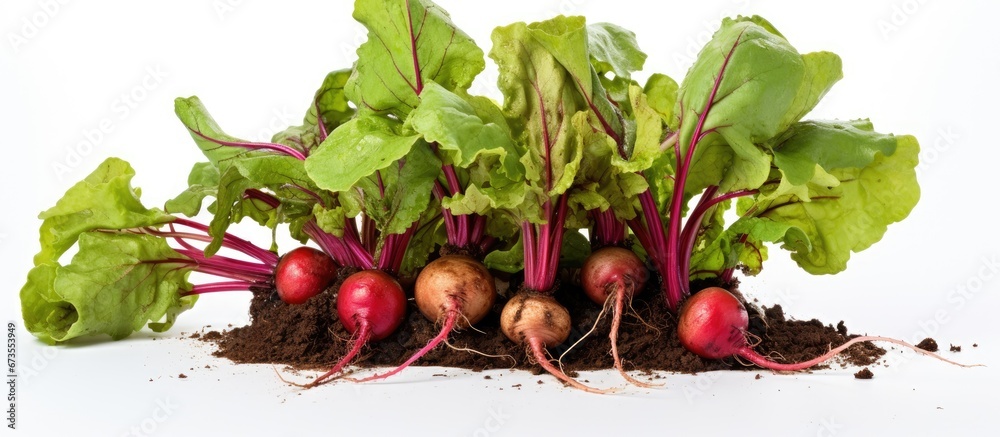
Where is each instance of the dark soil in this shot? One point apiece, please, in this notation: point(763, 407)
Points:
point(865, 373)
point(310, 336)
point(928, 344)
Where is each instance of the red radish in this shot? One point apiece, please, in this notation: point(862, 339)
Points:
point(371, 305)
point(538, 321)
point(303, 273)
point(713, 324)
point(614, 273)
point(455, 290)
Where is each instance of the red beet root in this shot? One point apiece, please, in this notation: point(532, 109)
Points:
point(303, 273)
point(713, 325)
point(614, 273)
point(371, 305)
point(454, 290)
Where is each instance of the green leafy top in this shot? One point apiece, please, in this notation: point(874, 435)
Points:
point(574, 134)
point(328, 110)
point(104, 199)
point(736, 95)
point(574, 126)
point(410, 43)
point(236, 166)
point(822, 189)
point(412, 46)
point(556, 107)
point(115, 283)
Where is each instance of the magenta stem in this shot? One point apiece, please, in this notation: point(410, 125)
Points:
point(544, 248)
point(450, 227)
point(280, 148)
point(608, 229)
point(705, 204)
point(319, 121)
point(235, 243)
point(652, 238)
point(394, 249)
point(333, 246)
point(225, 273)
point(268, 199)
point(419, 81)
point(528, 237)
point(216, 287)
point(676, 280)
point(478, 230)
point(362, 257)
point(556, 248)
point(222, 262)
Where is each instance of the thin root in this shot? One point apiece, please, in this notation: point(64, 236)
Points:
point(616, 318)
point(465, 349)
point(538, 350)
point(307, 386)
point(337, 371)
point(761, 361)
point(591, 331)
point(449, 325)
point(635, 313)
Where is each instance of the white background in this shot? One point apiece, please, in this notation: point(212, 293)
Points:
point(926, 68)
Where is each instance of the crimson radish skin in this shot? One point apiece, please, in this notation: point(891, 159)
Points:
point(538, 321)
point(371, 300)
point(713, 324)
point(610, 270)
point(371, 305)
point(614, 273)
point(454, 290)
point(303, 273)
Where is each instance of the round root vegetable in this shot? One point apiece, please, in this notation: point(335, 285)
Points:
point(538, 321)
point(371, 305)
point(713, 323)
point(303, 273)
point(614, 273)
point(297, 276)
point(454, 290)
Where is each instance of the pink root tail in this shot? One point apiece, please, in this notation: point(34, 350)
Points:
point(754, 357)
point(449, 325)
point(538, 350)
point(360, 340)
point(616, 319)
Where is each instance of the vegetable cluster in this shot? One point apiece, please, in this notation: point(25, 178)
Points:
point(705, 175)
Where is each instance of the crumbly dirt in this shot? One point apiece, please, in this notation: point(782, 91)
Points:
point(928, 344)
point(309, 336)
point(865, 373)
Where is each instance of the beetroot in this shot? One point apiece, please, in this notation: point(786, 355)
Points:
point(371, 305)
point(538, 321)
point(303, 273)
point(454, 290)
point(713, 324)
point(614, 274)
